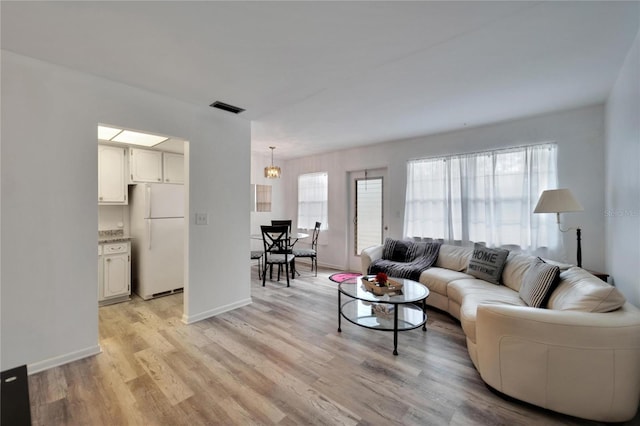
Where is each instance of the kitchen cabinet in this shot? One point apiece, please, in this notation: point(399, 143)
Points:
point(114, 269)
point(173, 167)
point(112, 185)
point(145, 165)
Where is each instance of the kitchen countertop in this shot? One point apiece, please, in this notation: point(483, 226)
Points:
point(112, 236)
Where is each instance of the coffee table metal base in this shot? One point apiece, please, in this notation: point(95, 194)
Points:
point(405, 316)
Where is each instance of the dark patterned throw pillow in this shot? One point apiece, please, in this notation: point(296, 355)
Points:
point(538, 282)
point(396, 250)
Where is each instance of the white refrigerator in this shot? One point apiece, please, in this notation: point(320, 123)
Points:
point(157, 230)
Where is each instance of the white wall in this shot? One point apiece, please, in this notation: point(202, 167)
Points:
point(110, 217)
point(258, 163)
point(50, 216)
point(579, 134)
point(622, 212)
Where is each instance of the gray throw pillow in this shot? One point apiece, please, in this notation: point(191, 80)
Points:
point(487, 263)
point(538, 282)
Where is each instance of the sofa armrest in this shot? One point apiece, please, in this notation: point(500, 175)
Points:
point(368, 255)
point(578, 363)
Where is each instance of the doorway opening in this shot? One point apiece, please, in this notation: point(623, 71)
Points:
point(367, 212)
point(142, 207)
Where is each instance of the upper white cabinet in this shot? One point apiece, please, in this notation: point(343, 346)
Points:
point(112, 185)
point(145, 165)
point(173, 167)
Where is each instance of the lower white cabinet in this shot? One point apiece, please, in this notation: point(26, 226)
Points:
point(114, 270)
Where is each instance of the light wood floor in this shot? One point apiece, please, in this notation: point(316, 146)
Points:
point(279, 360)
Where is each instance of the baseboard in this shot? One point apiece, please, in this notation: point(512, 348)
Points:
point(39, 366)
point(330, 266)
point(213, 312)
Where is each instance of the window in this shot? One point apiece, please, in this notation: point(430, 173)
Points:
point(483, 197)
point(261, 198)
point(313, 194)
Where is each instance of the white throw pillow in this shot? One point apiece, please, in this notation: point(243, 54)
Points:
point(515, 269)
point(455, 258)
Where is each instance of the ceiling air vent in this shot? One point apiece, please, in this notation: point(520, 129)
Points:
point(226, 107)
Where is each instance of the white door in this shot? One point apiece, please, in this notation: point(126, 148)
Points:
point(116, 275)
point(173, 167)
point(368, 210)
point(145, 165)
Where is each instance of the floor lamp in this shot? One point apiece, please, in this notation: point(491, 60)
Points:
point(561, 201)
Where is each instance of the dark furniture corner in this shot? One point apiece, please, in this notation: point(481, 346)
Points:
point(15, 405)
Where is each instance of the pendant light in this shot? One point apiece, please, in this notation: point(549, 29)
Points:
point(272, 172)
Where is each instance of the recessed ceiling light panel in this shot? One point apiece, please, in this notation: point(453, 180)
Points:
point(106, 133)
point(138, 138)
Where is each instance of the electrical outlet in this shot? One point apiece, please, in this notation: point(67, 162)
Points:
point(202, 218)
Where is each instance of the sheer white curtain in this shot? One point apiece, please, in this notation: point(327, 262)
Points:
point(313, 193)
point(484, 197)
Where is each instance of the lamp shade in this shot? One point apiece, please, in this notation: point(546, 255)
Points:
point(557, 201)
point(272, 172)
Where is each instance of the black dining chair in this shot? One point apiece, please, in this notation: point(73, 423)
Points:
point(275, 240)
point(257, 255)
point(281, 223)
point(286, 223)
point(311, 253)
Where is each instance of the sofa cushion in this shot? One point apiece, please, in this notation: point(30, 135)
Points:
point(487, 263)
point(457, 290)
point(537, 283)
point(561, 265)
point(469, 307)
point(454, 257)
point(578, 290)
point(437, 279)
point(515, 269)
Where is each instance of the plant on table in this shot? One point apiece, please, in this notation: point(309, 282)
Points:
point(382, 279)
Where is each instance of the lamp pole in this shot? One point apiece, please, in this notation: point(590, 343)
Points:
point(578, 233)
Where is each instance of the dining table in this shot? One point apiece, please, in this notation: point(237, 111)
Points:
point(293, 237)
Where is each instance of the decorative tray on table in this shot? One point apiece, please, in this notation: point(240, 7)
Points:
point(379, 286)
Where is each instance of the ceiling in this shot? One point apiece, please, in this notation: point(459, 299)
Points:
point(320, 76)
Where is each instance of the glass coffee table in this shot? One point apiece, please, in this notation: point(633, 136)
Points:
point(365, 309)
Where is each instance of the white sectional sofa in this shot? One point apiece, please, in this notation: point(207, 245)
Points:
point(579, 354)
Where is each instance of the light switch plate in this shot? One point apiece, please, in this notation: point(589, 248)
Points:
point(202, 218)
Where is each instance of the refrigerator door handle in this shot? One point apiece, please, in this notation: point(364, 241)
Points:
point(148, 188)
point(149, 232)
